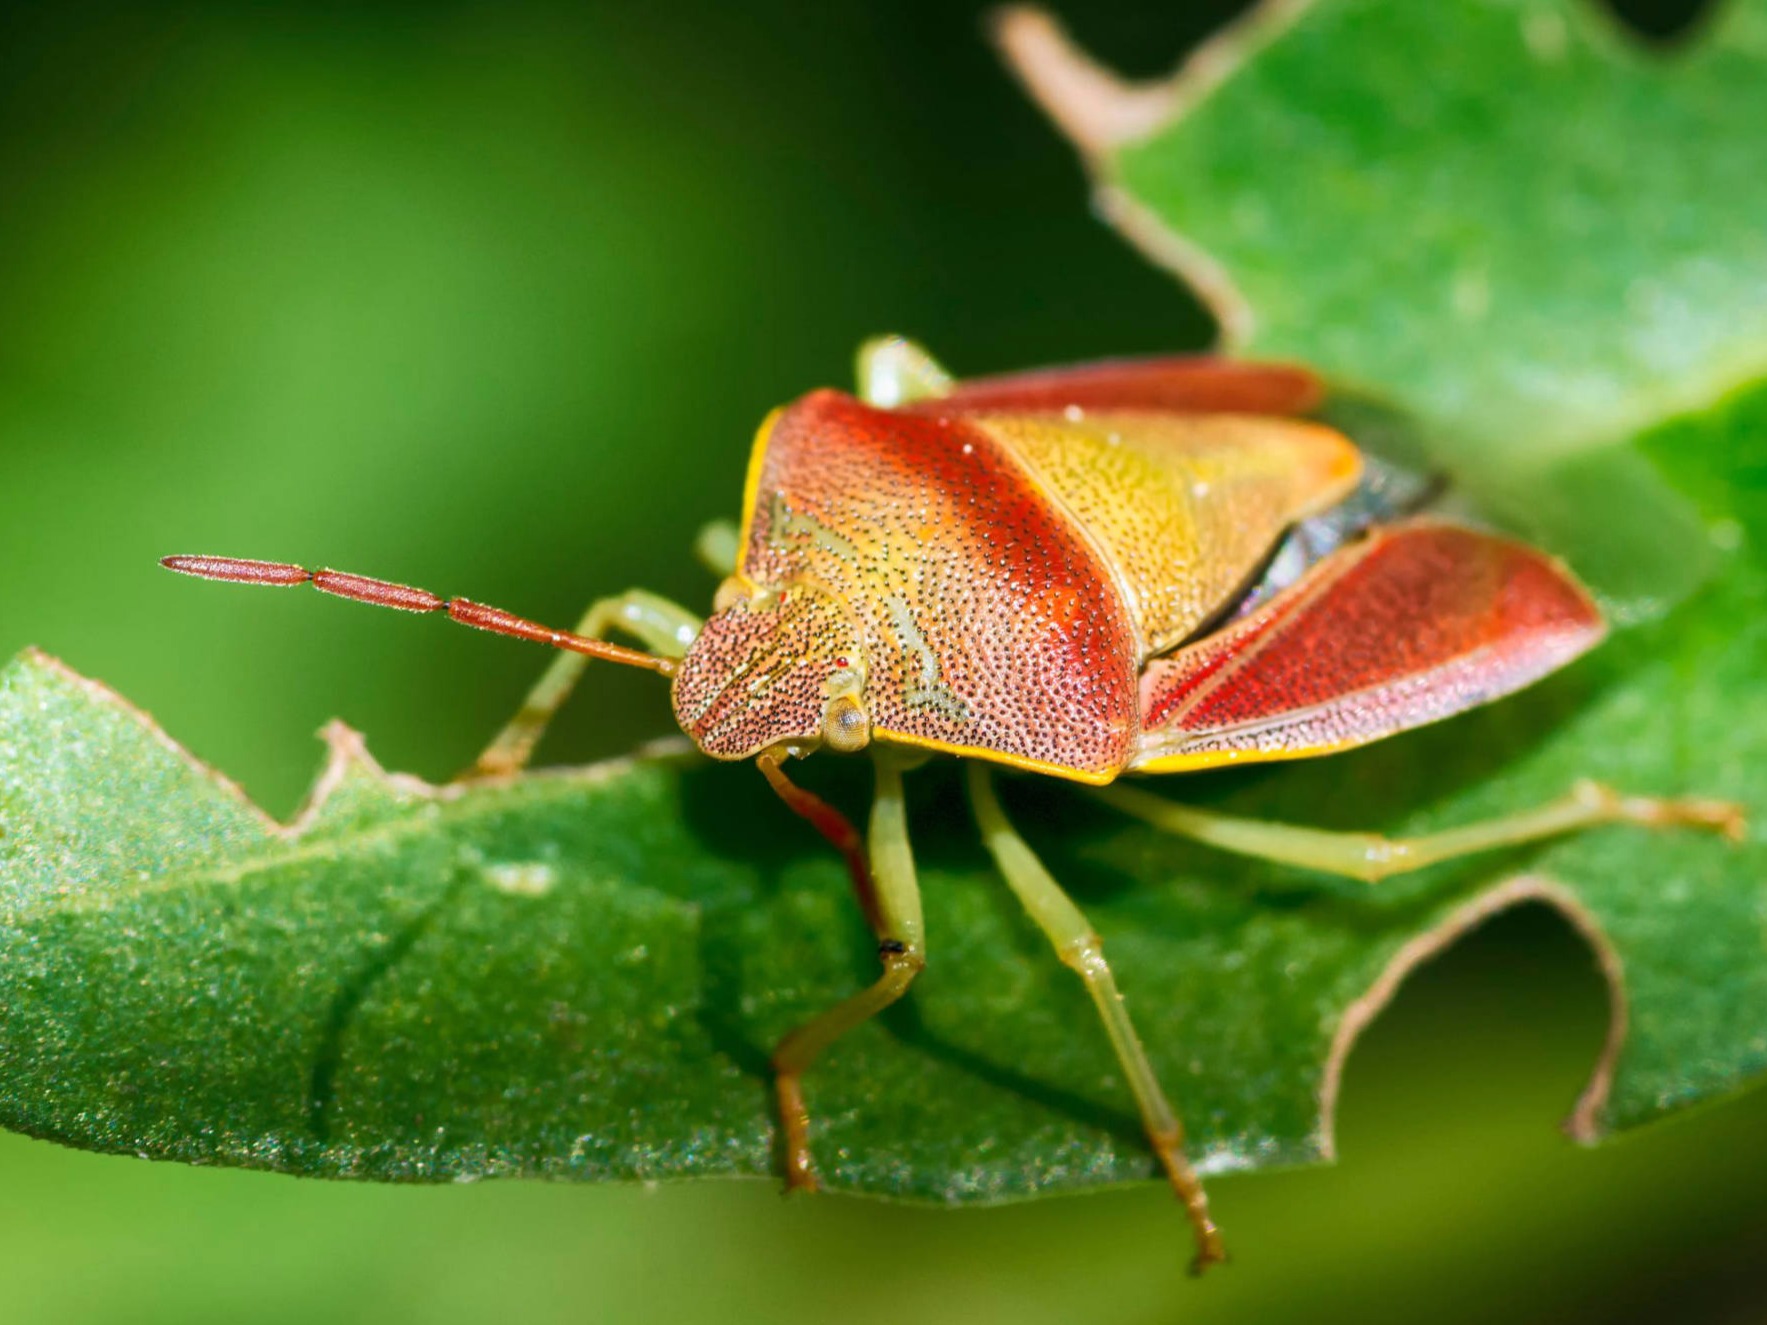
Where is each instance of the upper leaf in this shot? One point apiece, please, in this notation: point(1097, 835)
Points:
point(1502, 216)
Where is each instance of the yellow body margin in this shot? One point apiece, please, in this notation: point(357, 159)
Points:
point(751, 485)
point(994, 757)
point(1203, 760)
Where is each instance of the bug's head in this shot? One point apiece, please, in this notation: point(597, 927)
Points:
point(775, 669)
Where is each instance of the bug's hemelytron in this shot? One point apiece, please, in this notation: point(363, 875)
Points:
point(1145, 566)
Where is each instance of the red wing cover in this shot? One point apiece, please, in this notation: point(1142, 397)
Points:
point(1417, 622)
point(1182, 385)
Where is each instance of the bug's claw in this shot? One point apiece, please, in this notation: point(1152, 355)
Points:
point(1212, 1254)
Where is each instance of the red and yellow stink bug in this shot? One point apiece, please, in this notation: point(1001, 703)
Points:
point(1144, 566)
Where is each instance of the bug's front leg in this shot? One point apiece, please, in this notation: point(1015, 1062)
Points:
point(893, 908)
point(1371, 858)
point(664, 628)
point(1079, 948)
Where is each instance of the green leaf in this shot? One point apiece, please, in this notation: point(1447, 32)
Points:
point(1502, 216)
point(580, 973)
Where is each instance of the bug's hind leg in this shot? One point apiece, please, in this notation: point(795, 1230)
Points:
point(661, 626)
point(1372, 858)
point(1079, 948)
point(893, 908)
point(893, 370)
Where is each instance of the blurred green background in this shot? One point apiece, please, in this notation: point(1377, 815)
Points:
point(490, 297)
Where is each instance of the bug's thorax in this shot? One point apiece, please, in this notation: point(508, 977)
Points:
point(777, 667)
point(994, 579)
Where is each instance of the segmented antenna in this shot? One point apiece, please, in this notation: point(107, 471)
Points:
point(407, 598)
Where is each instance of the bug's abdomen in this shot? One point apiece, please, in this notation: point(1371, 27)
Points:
point(992, 625)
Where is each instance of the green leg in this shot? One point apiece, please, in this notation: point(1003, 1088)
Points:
point(1080, 949)
point(893, 370)
point(1371, 858)
point(659, 625)
point(716, 548)
point(901, 947)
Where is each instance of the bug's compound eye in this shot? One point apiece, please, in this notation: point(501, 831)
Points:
point(845, 726)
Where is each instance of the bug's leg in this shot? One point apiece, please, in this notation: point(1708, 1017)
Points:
point(662, 627)
point(1079, 948)
point(716, 547)
point(901, 947)
point(1371, 858)
point(893, 370)
point(834, 826)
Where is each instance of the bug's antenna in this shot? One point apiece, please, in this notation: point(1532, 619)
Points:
point(406, 598)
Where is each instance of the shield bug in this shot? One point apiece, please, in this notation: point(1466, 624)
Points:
point(1143, 566)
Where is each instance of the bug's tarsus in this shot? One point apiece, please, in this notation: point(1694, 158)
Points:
point(794, 1133)
point(409, 598)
